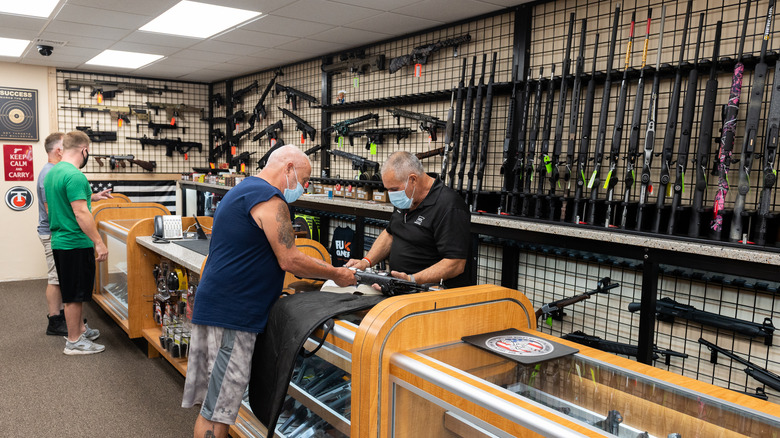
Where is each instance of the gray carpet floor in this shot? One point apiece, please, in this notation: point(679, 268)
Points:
point(117, 393)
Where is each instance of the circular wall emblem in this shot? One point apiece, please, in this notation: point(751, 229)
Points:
point(518, 345)
point(18, 198)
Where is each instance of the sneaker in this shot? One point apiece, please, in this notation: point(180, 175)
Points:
point(57, 326)
point(82, 346)
point(91, 333)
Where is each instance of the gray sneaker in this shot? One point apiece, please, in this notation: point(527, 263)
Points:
point(91, 333)
point(82, 346)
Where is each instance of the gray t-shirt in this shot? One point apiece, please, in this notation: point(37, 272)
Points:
point(43, 217)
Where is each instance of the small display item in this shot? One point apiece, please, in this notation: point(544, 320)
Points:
point(519, 346)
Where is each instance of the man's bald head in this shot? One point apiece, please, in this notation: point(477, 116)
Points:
point(288, 154)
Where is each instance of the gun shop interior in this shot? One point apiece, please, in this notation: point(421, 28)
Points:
point(524, 265)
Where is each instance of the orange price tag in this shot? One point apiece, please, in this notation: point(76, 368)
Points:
point(232, 150)
point(100, 98)
point(243, 167)
point(186, 157)
point(211, 165)
point(417, 70)
point(303, 138)
point(173, 121)
point(119, 122)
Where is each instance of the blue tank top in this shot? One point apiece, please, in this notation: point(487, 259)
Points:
point(242, 278)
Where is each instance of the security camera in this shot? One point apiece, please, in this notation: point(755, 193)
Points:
point(45, 50)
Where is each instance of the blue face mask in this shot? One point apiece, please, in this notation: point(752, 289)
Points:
point(292, 195)
point(399, 198)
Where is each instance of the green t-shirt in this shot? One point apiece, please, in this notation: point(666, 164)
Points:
point(64, 184)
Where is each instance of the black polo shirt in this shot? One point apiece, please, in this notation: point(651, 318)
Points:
point(437, 229)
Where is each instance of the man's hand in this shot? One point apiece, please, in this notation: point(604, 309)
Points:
point(357, 264)
point(105, 194)
point(344, 277)
point(101, 252)
point(401, 275)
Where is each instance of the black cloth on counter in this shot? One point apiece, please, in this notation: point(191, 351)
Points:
point(291, 321)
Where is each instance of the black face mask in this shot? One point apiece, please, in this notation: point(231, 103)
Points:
point(85, 160)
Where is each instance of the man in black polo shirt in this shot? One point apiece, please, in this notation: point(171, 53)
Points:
point(427, 240)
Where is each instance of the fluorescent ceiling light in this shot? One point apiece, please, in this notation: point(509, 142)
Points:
point(198, 20)
point(118, 58)
point(12, 47)
point(35, 8)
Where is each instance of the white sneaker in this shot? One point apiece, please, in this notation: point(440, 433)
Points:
point(91, 333)
point(82, 346)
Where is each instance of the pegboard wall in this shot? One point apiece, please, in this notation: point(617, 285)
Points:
point(80, 108)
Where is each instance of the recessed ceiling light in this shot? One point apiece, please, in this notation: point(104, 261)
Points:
point(198, 20)
point(118, 58)
point(37, 8)
point(12, 47)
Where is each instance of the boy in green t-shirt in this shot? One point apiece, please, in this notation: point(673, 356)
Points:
point(75, 241)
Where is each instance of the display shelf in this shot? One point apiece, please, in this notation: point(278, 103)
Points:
point(320, 409)
point(117, 313)
point(152, 336)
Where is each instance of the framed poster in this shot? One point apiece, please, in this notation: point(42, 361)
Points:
point(18, 162)
point(18, 114)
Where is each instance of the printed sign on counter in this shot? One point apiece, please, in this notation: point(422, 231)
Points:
point(18, 162)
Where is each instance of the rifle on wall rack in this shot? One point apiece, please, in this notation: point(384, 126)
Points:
point(159, 127)
point(617, 131)
point(467, 125)
point(355, 63)
point(270, 130)
point(689, 106)
point(770, 155)
point(342, 128)
point(729, 130)
point(705, 138)
point(291, 95)
point(533, 137)
point(457, 125)
point(485, 132)
point(601, 133)
point(428, 123)
point(544, 166)
point(636, 125)
point(172, 111)
point(377, 136)
point(420, 54)
point(476, 128)
point(670, 137)
point(587, 130)
point(109, 89)
point(260, 111)
point(519, 168)
point(506, 164)
point(558, 142)
point(114, 160)
point(238, 95)
point(762, 375)
point(97, 136)
point(171, 144)
point(300, 125)
point(652, 119)
point(751, 132)
point(554, 310)
point(448, 131)
point(574, 115)
point(618, 347)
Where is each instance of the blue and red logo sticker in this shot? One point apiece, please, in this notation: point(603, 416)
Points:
point(18, 198)
point(519, 345)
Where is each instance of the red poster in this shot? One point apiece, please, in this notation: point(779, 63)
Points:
point(18, 160)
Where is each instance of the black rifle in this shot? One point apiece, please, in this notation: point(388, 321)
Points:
point(342, 128)
point(729, 130)
point(587, 130)
point(667, 309)
point(119, 113)
point(377, 135)
point(705, 138)
point(274, 146)
point(232, 141)
point(475, 130)
point(313, 149)
point(545, 164)
point(172, 111)
point(485, 133)
point(636, 125)
point(113, 160)
point(601, 133)
point(689, 106)
point(420, 54)
point(617, 132)
point(300, 125)
point(271, 130)
point(158, 127)
point(355, 63)
point(507, 165)
point(97, 136)
point(555, 308)
point(652, 119)
point(764, 376)
point(218, 100)
point(242, 158)
point(238, 95)
point(237, 117)
point(457, 125)
point(217, 134)
point(617, 347)
point(751, 132)
point(291, 95)
point(109, 89)
point(171, 144)
point(364, 165)
point(467, 124)
point(670, 137)
point(448, 139)
point(519, 168)
point(533, 137)
point(770, 154)
point(259, 110)
point(428, 123)
point(574, 114)
point(390, 286)
point(558, 142)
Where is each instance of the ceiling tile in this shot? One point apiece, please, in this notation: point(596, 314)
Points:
point(17, 22)
point(396, 24)
point(323, 11)
point(257, 39)
point(286, 26)
point(145, 48)
point(86, 30)
point(382, 5)
point(225, 48)
point(350, 37)
point(448, 11)
point(205, 75)
point(160, 39)
point(59, 63)
point(91, 15)
point(19, 34)
point(203, 56)
point(78, 41)
point(264, 6)
point(313, 47)
point(248, 61)
point(145, 7)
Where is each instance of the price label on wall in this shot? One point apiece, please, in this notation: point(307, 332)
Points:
point(18, 162)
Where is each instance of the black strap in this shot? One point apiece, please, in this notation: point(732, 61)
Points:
point(327, 326)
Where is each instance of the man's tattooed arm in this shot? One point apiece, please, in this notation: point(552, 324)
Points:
point(286, 232)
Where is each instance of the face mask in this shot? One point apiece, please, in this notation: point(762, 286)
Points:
point(85, 160)
point(292, 195)
point(399, 198)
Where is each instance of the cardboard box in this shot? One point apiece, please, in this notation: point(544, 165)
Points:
point(338, 191)
point(318, 189)
point(326, 188)
point(380, 196)
point(350, 192)
point(363, 193)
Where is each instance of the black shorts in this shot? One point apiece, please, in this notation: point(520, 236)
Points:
point(76, 270)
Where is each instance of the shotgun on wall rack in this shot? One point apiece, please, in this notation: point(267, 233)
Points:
point(544, 167)
point(770, 155)
point(483, 154)
point(475, 130)
point(587, 130)
point(448, 132)
point(574, 114)
point(466, 127)
point(519, 167)
point(457, 125)
point(533, 137)
point(554, 177)
point(764, 376)
point(554, 310)
point(506, 164)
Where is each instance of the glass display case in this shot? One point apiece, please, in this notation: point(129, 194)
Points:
point(111, 290)
point(599, 397)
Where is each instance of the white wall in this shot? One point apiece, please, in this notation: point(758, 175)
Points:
point(21, 253)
